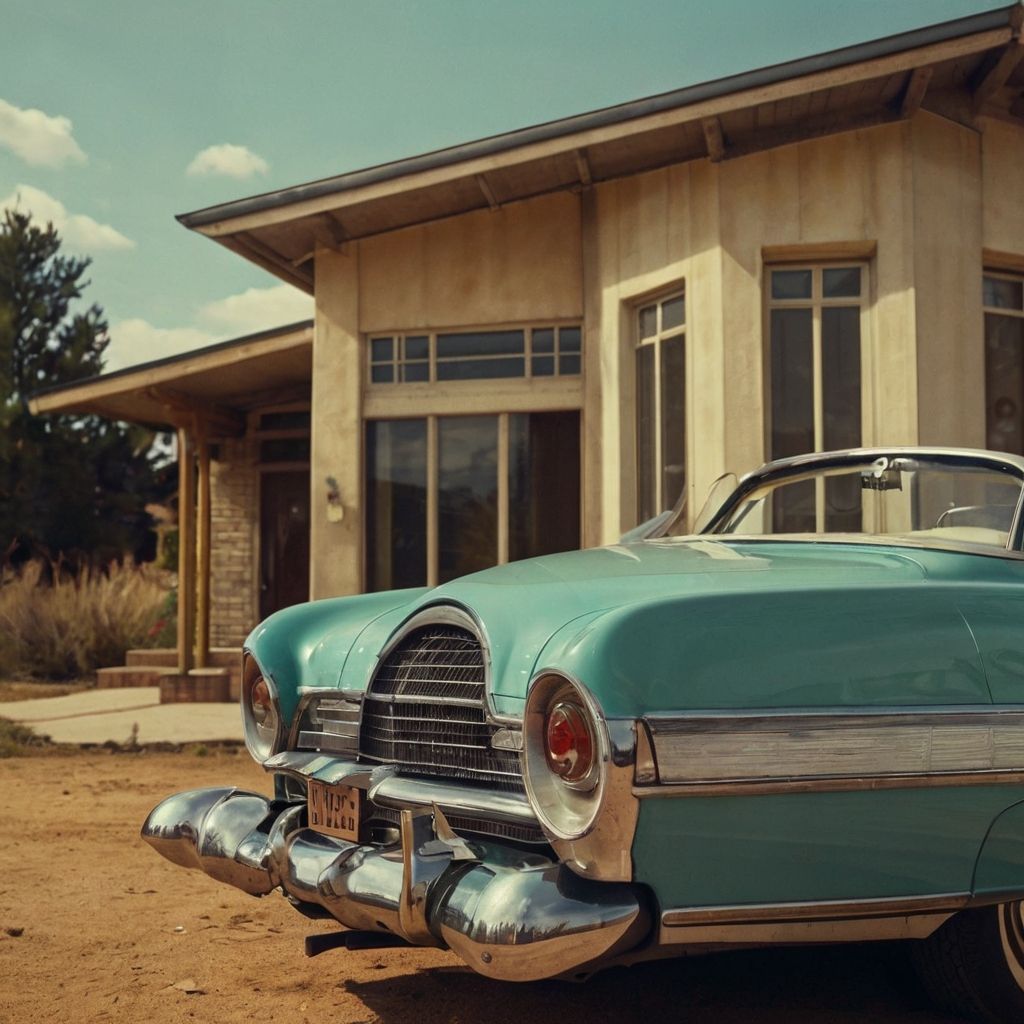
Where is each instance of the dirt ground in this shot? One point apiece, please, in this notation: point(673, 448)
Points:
point(94, 926)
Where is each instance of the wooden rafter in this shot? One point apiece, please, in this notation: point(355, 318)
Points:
point(214, 420)
point(913, 93)
point(485, 187)
point(714, 138)
point(246, 244)
point(996, 72)
point(583, 168)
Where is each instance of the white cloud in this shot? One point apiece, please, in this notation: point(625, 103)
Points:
point(79, 232)
point(40, 140)
point(257, 309)
point(229, 160)
point(138, 341)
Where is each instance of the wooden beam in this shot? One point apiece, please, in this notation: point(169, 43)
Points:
point(913, 94)
point(583, 168)
point(714, 138)
point(809, 128)
point(485, 187)
point(329, 231)
point(253, 249)
point(186, 551)
point(203, 542)
point(996, 72)
point(217, 420)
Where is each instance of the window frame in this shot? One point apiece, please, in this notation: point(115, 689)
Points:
point(817, 302)
point(999, 274)
point(661, 335)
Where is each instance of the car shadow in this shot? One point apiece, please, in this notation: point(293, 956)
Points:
point(779, 986)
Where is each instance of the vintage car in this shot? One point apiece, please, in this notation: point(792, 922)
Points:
point(802, 723)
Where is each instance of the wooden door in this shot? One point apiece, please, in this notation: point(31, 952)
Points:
point(284, 540)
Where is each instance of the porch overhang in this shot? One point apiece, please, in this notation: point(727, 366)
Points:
point(960, 69)
point(208, 390)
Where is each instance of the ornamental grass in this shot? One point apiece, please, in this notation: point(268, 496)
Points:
point(58, 625)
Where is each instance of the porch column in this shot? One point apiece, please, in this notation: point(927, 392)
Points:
point(186, 551)
point(202, 634)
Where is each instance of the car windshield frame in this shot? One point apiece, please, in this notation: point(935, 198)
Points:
point(824, 464)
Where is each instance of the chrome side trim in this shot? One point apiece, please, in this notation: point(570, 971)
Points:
point(704, 938)
point(822, 747)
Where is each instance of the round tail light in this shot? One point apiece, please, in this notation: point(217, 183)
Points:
point(569, 743)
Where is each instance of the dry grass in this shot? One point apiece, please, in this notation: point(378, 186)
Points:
point(68, 629)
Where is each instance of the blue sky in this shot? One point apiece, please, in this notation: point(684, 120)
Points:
point(115, 116)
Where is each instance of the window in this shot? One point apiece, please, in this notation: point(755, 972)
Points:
point(450, 495)
point(814, 368)
point(660, 404)
point(1003, 302)
point(476, 355)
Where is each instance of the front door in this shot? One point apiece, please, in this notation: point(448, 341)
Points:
point(284, 540)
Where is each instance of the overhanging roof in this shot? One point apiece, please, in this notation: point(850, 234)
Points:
point(212, 387)
point(959, 68)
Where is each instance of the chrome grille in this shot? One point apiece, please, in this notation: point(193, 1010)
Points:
point(466, 823)
point(425, 711)
point(329, 723)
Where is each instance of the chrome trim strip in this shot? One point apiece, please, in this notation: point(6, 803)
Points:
point(709, 748)
point(705, 938)
point(821, 910)
point(471, 802)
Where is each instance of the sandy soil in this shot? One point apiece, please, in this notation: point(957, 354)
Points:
point(94, 926)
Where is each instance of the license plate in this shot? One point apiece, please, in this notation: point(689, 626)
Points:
point(334, 810)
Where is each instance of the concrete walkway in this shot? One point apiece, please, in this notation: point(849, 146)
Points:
point(96, 716)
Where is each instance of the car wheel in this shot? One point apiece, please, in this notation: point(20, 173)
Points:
point(974, 964)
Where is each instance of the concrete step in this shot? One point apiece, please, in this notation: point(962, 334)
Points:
point(120, 676)
point(201, 685)
point(222, 657)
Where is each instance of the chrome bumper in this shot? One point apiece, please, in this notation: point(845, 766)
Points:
point(510, 915)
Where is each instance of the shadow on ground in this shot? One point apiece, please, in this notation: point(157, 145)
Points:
point(809, 986)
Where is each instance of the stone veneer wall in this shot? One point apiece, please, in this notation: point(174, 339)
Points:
point(234, 510)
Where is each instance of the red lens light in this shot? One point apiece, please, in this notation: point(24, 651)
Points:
point(569, 743)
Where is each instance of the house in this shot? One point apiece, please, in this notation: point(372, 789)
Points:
point(535, 341)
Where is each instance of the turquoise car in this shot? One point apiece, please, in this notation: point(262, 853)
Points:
point(802, 723)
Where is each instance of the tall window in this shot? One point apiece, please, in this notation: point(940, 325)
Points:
point(450, 495)
point(1003, 301)
point(814, 316)
point(660, 404)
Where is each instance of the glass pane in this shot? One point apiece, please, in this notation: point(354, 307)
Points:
point(1004, 383)
point(417, 347)
point(673, 420)
point(544, 340)
point(396, 504)
point(543, 484)
point(1003, 294)
point(381, 349)
point(840, 282)
point(415, 372)
point(481, 369)
point(792, 386)
point(481, 343)
point(840, 392)
point(543, 366)
point(673, 313)
point(791, 284)
point(467, 494)
point(285, 449)
point(382, 374)
point(646, 494)
point(793, 508)
point(648, 321)
point(294, 420)
point(568, 365)
point(569, 339)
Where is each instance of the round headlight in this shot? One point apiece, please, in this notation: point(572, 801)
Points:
point(261, 716)
point(565, 754)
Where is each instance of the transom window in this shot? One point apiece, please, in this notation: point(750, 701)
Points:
point(450, 495)
point(1003, 302)
point(814, 367)
point(548, 351)
point(660, 404)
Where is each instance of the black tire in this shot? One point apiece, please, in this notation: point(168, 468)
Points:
point(974, 964)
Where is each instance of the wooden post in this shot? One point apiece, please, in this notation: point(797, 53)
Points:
point(203, 559)
point(186, 551)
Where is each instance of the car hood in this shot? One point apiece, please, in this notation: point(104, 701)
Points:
point(521, 606)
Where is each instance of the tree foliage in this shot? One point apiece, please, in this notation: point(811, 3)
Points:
point(73, 487)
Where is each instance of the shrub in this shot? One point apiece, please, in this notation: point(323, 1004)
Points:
point(75, 624)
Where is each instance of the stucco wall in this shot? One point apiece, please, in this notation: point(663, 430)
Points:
point(234, 515)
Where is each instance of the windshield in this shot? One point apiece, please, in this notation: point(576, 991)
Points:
point(931, 500)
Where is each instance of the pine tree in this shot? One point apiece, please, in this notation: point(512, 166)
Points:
point(70, 487)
